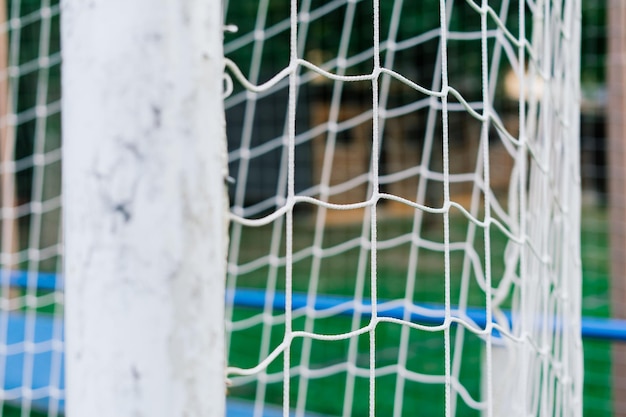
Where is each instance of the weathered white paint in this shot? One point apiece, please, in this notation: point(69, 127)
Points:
point(144, 203)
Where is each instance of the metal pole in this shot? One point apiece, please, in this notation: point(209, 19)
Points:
point(144, 207)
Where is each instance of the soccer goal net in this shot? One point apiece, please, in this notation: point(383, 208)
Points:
point(404, 186)
point(404, 207)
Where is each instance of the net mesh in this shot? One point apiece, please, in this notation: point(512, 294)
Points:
point(31, 298)
point(405, 207)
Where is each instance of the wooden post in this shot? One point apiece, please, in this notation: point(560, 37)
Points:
point(616, 127)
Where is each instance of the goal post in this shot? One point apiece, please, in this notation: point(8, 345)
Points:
point(144, 207)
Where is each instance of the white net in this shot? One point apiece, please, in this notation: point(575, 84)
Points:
point(31, 298)
point(405, 207)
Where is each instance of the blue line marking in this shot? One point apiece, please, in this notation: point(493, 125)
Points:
point(26, 279)
point(591, 327)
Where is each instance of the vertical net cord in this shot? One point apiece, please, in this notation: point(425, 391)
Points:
point(521, 158)
point(56, 347)
point(564, 382)
point(446, 200)
point(527, 225)
point(562, 299)
point(575, 307)
point(579, 364)
point(389, 60)
point(546, 110)
point(487, 202)
point(535, 260)
point(366, 230)
point(293, 82)
point(537, 199)
point(522, 155)
point(359, 288)
point(305, 354)
point(374, 209)
point(420, 195)
point(571, 318)
point(37, 211)
point(356, 318)
point(558, 302)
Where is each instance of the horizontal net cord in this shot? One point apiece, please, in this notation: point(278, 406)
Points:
point(387, 370)
point(19, 22)
point(430, 313)
point(375, 74)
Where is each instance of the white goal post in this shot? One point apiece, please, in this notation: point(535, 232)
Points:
point(145, 203)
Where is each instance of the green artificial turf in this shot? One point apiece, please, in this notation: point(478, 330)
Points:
point(337, 276)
